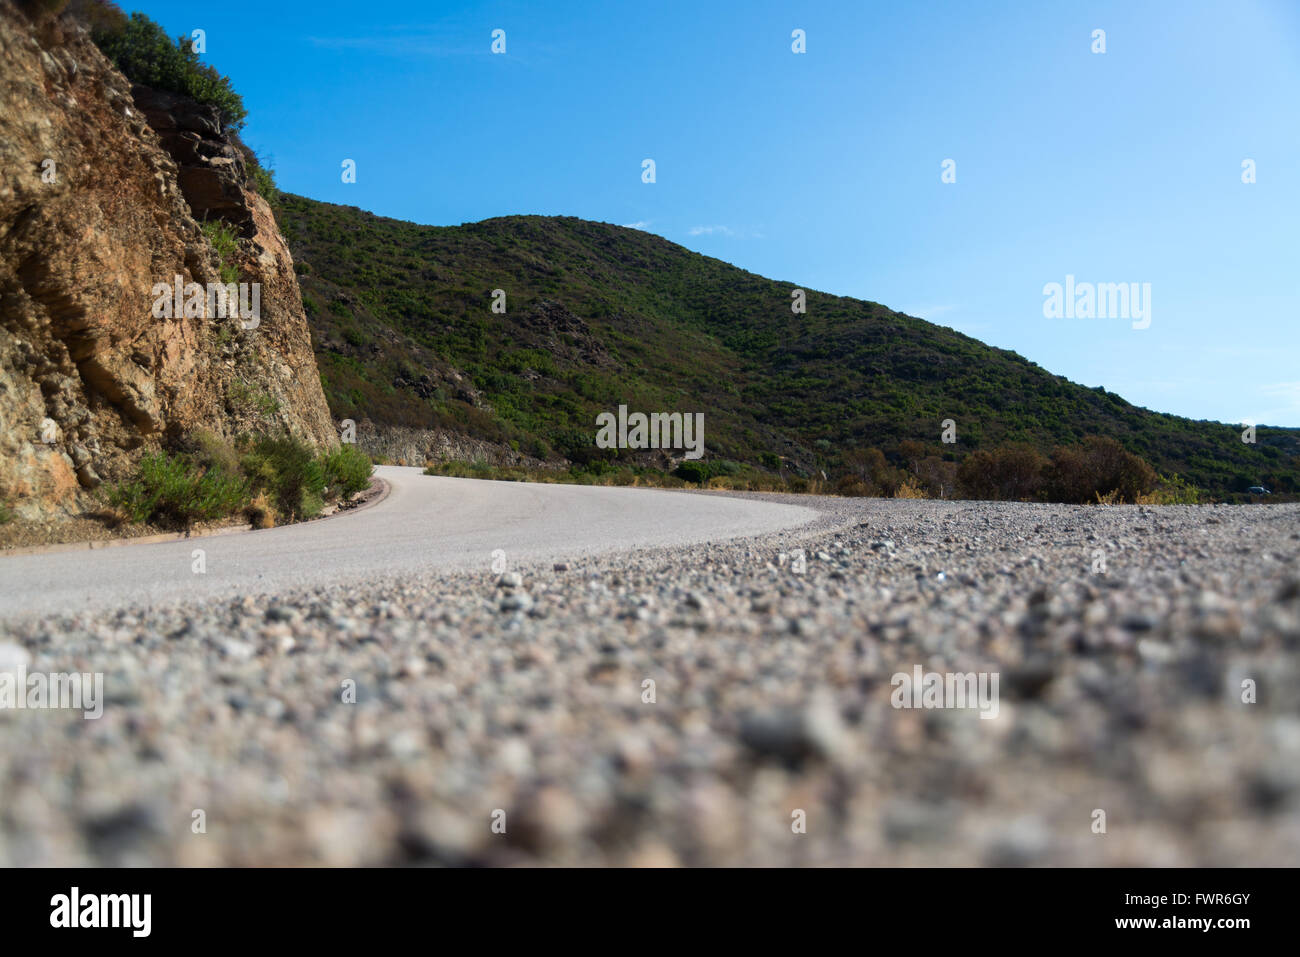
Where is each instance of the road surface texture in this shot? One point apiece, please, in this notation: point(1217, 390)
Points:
point(1148, 709)
point(426, 522)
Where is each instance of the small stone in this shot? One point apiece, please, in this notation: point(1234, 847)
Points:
point(1138, 622)
point(794, 735)
point(238, 650)
point(1156, 652)
point(519, 601)
point(413, 668)
point(13, 656)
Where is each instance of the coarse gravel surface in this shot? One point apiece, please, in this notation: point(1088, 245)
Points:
point(506, 718)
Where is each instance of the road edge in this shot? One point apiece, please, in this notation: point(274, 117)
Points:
point(385, 488)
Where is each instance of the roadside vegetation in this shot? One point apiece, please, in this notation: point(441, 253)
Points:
point(267, 480)
point(1096, 471)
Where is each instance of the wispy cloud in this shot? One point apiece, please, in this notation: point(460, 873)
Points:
point(639, 224)
point(727, 231)
point(929, 312)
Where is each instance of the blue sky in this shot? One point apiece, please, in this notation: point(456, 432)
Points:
point(824, 168)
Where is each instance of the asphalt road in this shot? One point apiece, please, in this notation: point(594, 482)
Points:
point(426, 522)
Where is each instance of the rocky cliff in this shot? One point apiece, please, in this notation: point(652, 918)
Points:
point(102, 190)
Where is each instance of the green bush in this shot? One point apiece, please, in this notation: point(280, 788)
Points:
point(176, 490)
point(1174, 490)
point(214, 452)
point(226, 244)
point(141, 49)
point(693, 471)
point(289, 472)
point(207, 478)
point(347, 470)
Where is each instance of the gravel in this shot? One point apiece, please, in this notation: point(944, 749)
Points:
point(681, 706)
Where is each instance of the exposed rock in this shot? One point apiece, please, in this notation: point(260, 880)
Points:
point(93, 214)
point(212, 173)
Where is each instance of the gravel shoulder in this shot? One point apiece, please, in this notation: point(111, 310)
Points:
point(1121, 637)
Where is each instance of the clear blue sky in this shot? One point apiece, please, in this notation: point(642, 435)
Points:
point(823, 169)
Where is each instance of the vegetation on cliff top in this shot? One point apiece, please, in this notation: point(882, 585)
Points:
point(141, 49)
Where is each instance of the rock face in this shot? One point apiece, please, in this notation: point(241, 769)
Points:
point(404, 445)
point(94, 212)
point(213, 177)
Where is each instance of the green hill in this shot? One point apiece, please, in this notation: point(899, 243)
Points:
point(599, 315)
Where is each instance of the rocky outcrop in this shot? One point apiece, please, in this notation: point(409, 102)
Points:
point(95, 211)
point(213, 176)
point(403, 445)
point(551, 326)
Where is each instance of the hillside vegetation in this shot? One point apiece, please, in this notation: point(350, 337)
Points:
point(599, 315)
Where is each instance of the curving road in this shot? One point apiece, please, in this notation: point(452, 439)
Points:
point(426, 522)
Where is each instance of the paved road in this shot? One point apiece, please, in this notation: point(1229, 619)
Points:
point(426, 522)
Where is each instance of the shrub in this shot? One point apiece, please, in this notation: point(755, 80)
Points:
point(226, 244)
point(936, 476)
point(1096, 469)
point(260, 512)
point(347, 470)
point(1172, 490)
point(869, 467)
point(288, 471)
point(177, 490)
point(1011, 472)
point(251, 398)
point(39, 8)
point(141, 49)
point(211, 451)
point(853, 486)
point(909, 489)
point(692, 471)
